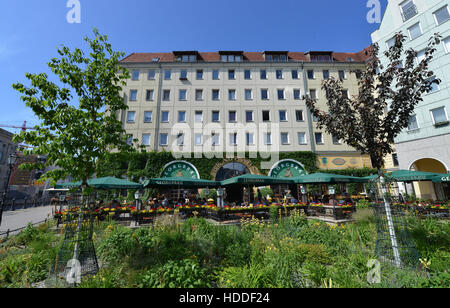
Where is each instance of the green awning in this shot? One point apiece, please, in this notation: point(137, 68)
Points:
point(257, 180)
point(407, 176)
point(180, 182)
point(441, 178)
point(104, 183)
point(325, 178)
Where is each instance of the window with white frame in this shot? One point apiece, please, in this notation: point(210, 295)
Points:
point(199, 116)
point(434, 85)
point(264, 94)
point(447, 44)
point(232, 94)
point(215, 75)
point(439, 115)
point(390, 43)
point(294, 74)
point(148, 116)
point(232, 116)
point(233, 139)
point(166, 95)
point(408, 9)
point(249, 116)
point(129, 139)
point(284, 138)
point(297, 94)
point(266, 116)
point(415, 31)
point(301, 138)
point(215, 95)
point(420, 56)
point(280, 93)
point(250, 139)
point(167, 74)
point(151, 75)
point(181, 116)
point(146, 139)
point(342, 75)
point(135, 75)
point(163, 139)
point(216, 116)
point(180, 139)
point(442, 15)
point(199, 75)
point(183, 74)
point(231, 74)
point(313, 93)
point(165, 116)
point(299, 115)
point(412, 122)
point(183, 95)
point(326, 74)
point(336, 140)
point(149, 96)
point(267, 138)
point(198, 139)
point(279, 74)
point(263, 74)
point(319, 138)
point(310, 74)
point(215, 139)
point(198, 94)
point(247, 74)
point(131, 116)
point(283, 115)
point(133, 95)
point(248, 94)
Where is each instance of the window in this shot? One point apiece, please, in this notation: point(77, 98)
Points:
point(181, 116)
point(434, 86)
point(215, 95)
point(319, 138)
point(249, 116)
point(314, 118)
point(248, 94)
point(297, 94)
point(180, 139)
point(231, 75)
point(216, 116)
point(187, 58)
point(166, 95)
point(151, 75)
point(264, 94)
point(415, 31)
point(301, 138)
point(276, 58)
point(442, 15)
point(358, 74)
point(279, 74)
point(232, 116)
point(215, 75)
point(149, 96)
point(233, 139)
point(283, 115)
point(199, 75)
point(266, 115)
point(232, 94)
point(133, 95)
point(167, 74)
point(231, 58)
point(199, 116)
point(408, 10)
point(447, 44)
point(395, 159)
point(183, 75)
point(336, 140)
point(135, 75)
point(326, 74)
point(412, 123)
point(294, 74)
point(146, 139)
point(182, 96)
point(198, 94)
point(284, 138)
point(215, 139)
point(342, 75)
point(148, 116)
point(247, 75)
point(165, 116)
point(163, 139)
point(263, 74)
point(390, 43)
point(129, 139)
point(310, 74)
point(299, 115)
point(439, 115)
point(250, 139)
point(198, 139)
point(313, 93)
point(345, 93)
point(131, 116)
point(267, 138)
point(280, 94)
point(420, 56)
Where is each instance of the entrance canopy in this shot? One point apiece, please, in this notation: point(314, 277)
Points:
point(180, 182)
point(257, 180)
point(104, 183)
point(325, 178)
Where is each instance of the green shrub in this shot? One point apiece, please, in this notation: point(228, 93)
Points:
point(117, 245)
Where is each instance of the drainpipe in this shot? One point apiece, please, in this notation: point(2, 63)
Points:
point(308, 113)
point(158, 109)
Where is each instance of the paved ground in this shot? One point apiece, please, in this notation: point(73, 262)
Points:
point(13, 220)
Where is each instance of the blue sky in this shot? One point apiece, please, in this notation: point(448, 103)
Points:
point(31, 31)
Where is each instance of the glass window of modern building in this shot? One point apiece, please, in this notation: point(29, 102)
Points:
point(439, 115)
point(442, 15)
point(415, 31)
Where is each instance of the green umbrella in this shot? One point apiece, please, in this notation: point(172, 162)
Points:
point(441, 178)
point(255, 179)
point(104, 183)
point(180, 182)
point(324, 178)
point(406, 176)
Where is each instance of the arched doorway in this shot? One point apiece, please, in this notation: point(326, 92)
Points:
point(228, 171)
point(429, 190)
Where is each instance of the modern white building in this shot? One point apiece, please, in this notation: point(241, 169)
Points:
point(425, 144)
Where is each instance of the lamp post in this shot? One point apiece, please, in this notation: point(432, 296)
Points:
point(12, 159)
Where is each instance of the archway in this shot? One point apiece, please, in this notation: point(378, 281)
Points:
point(231, 170)
point(429, 190)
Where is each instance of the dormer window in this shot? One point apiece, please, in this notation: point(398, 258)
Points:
point(320, 56)
point(186, 56)
point(231, 56)
point(276, 56)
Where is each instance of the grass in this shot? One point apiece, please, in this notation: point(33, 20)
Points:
point(290, 252)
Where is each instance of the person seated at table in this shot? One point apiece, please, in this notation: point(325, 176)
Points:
point(325, 199)
point(293, 200)
point(348, 199)
point(115, 204)
point(165, 202)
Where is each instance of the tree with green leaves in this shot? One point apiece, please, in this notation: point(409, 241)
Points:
point(79, 126)
point(370, 120)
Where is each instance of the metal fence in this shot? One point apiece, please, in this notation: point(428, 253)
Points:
point(20, 204)
point(12, 232)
